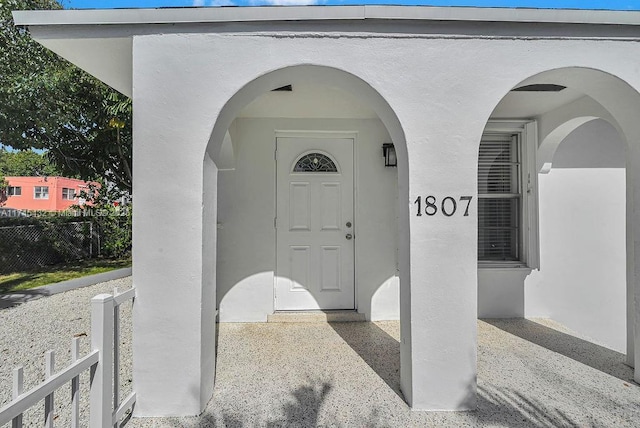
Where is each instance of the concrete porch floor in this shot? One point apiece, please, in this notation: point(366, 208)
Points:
point(530, 373)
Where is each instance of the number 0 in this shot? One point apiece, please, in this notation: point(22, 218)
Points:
point(454, 206)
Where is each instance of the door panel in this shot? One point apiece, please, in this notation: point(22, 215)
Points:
point(299, 209)
point(330, 206)
point(315, 259)
point(330, 268)
point(299, 268)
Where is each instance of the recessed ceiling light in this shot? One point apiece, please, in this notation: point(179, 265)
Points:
point(540, 87)
point(286, 88)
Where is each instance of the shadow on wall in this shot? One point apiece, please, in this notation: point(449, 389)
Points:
point(582, 279)
point(595, 356)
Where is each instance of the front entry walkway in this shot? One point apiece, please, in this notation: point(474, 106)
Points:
point(530, 373)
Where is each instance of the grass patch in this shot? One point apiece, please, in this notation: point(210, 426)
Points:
point(48, 275)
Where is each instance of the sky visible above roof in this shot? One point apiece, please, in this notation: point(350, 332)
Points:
point(545, 4)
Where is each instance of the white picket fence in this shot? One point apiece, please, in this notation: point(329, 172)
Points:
point(106, 409)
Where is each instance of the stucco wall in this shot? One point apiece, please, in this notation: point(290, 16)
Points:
point(582, 279)
point(439, 104)
point(246, 208)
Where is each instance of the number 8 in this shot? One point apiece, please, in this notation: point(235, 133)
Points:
point(430, 202)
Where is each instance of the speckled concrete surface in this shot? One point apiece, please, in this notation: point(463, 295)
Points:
point(531, 373)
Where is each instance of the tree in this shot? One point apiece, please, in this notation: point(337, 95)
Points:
point(26, 163)
point(3, 188)
point(47, 103)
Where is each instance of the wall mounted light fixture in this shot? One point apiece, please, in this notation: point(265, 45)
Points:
point(389, 153)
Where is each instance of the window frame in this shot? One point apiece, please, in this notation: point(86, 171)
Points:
point(35, 192)
point(65, 194)
point(14, 187)
point(527, 132)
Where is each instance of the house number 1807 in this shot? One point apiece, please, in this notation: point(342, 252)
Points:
point(448, 206)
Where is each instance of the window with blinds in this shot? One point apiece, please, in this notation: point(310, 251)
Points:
point(499, 197)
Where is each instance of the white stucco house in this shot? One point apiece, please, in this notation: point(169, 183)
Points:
point(517, 138)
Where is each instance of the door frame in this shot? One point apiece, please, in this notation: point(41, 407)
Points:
point(319, 134)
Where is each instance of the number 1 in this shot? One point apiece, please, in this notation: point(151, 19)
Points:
point(419, 202)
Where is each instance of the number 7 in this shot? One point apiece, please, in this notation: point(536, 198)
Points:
point(468, 199)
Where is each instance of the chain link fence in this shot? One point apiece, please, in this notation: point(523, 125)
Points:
point(26, 247)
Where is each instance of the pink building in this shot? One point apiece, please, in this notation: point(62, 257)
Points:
point(44, 193)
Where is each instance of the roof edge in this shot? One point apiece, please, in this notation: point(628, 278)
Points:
point(192, 15)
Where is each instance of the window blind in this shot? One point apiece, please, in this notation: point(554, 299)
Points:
point(499, 198)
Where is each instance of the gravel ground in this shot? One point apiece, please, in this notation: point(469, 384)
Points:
point(531, 373)
point(29, 330)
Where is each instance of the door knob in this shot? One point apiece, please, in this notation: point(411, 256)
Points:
point(349, 236)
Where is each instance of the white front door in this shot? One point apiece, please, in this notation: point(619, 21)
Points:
point(315, 250)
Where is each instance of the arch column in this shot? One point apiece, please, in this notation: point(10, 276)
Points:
point(442, 265)
point(174, 228)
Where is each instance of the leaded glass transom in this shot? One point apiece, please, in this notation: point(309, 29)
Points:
point(315, 162)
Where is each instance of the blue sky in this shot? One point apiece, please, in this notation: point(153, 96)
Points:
point(553, 4)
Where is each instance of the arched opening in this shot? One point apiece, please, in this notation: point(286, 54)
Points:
point(571, 186)
point(290, 236)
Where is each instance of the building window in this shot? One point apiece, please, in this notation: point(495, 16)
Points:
point(315, 162)
point(41, 192)
point(507, 195)
point(14, 191)
point(68, 194)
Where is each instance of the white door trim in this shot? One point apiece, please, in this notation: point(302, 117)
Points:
point(298, 133)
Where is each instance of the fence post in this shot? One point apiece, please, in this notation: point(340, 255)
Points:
point(18, 389)
point(90, 239)
point(49, 367)
point(101, 393)
point(75, 386)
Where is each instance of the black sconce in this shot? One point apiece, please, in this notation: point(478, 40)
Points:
point(389, 153)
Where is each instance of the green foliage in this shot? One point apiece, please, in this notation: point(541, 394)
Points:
point(110, 226)
point(26, 163)
point(114, 224)
point(47, 103)
point(42, 242)
point(112, 219)
point(3, 187)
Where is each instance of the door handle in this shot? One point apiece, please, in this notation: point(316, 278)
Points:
point(349, 236)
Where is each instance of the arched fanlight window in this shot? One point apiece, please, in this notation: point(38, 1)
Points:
point(315, 162)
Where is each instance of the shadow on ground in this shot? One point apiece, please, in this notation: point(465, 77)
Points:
point(303, 411)
point(598, 357)
point(378, 349)
point(512, 408)
point(22, 296)
point(7, 286)
point(523, 389)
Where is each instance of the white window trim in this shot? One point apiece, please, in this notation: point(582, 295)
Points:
point(35, 192)
point(14, 187)
point(65, 197)
point(528, 131)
